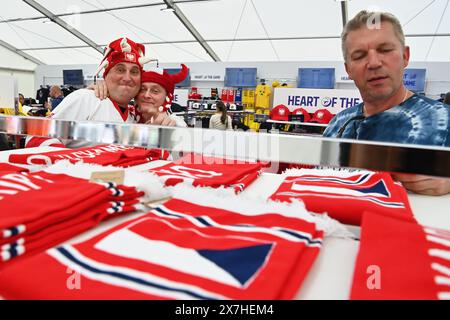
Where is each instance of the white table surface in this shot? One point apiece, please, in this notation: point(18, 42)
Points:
point(331, 275)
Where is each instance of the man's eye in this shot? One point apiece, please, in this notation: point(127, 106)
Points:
point(358, 57)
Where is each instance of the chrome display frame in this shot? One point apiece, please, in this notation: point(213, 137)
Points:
point(298, 149)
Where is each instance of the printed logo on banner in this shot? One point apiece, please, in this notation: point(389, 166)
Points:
point(326, 102)
point(334, 100)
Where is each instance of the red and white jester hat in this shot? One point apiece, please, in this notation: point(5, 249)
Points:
point(167, 81)
point(122, 50)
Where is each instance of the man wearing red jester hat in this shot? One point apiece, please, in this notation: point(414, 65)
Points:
point(123, 61)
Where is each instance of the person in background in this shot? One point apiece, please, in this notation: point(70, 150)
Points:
point(21, 99)
point(375, 58)
point(56, 96)
point(24, 108)
point(220, 120)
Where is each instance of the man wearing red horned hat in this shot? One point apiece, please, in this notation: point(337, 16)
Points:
point(155, 97)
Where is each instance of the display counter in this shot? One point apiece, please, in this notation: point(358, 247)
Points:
point(332, 272)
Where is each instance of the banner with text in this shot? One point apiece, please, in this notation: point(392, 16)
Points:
point(207, 77)
point(334, 100)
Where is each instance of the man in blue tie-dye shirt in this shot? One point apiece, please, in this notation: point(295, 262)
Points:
point(375, 55)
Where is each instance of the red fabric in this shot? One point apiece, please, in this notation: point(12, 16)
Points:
point(306, 116)
point(305, 259)
point(115, 155)
point(134, 274)
point(34, 142)
point(230, 95)
point(401, 252)
point(346, 198)
point(6, 167)
point(25, 191)
point(209, 172)
point(280, 112)
point(41, 221)
point(24, 195)
point(102, 200)
point(245, 181)
point(224, 95)
point(322, 116)
point(30, 226)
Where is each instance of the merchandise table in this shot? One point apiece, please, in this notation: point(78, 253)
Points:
point(331, 275)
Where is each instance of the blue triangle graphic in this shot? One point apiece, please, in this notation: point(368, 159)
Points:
point(241, 263)
point(379, 187)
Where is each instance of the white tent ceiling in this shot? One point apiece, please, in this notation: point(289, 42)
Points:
point(232, 30)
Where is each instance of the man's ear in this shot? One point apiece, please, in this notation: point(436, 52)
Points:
point(348, 72)
point(406, 56)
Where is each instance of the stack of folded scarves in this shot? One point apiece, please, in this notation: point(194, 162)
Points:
point(39, 210)
point(114, 155)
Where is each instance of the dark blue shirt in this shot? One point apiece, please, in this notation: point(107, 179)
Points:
point(56, 101)
point(417, 120)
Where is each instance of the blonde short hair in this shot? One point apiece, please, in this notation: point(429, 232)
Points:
point(363, 18)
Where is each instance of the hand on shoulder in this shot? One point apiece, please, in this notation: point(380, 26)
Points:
point(100, 89)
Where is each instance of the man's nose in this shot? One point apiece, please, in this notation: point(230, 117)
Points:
point(127, 76)
point(374, 60)
point(147, 93)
